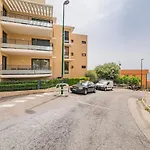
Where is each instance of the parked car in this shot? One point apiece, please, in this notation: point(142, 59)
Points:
point(105, 85)
point(134, 87)
point(84, 87)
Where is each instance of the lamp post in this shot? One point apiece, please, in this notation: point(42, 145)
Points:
point(141, 72)
point(66, 2)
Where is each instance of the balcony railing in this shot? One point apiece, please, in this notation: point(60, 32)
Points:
point(66, 71)
point(25, 70)
point(66, 55)
point(26, 45)
point(26, 21)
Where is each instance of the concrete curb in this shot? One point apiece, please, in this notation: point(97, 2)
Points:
point(21, 93)
point(141, 117)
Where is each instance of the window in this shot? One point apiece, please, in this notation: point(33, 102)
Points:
point(83, 67)
point(66, 52)
point(84, 54)
point(72, 41)
point(41, 64)
point(4, 37)
point(66, 36)
point(40, 42)
point(83, 42)
point(72, 54)
point(4, 11)
point(41, 20)
point(66, 67)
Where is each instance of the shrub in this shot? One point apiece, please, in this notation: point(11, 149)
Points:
point(33, 85)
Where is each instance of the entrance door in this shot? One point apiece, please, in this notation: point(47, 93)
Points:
point(4, 62)
point(4, 37)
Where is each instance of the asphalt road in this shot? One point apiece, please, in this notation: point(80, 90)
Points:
point(100, 121)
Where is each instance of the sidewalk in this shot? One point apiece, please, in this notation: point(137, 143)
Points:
point(148, 98)
point(19, 93)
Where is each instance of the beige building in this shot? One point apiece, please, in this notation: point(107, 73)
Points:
point(31, 43)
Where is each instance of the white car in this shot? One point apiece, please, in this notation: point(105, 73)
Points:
point(105, 85)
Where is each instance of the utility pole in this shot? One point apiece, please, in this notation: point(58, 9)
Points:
point(63, 41)
point(142, 73)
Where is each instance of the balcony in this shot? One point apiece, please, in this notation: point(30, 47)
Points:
point(25, 72)
point(18, 25)
point(66, 71)
point(17, 46)
point(66, 55)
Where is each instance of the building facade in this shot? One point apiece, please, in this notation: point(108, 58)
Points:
point(31, 43)
point(136, 73)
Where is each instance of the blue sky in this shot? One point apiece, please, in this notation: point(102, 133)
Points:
point(118, 30)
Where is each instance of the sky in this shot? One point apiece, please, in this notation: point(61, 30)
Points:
point(118, 30)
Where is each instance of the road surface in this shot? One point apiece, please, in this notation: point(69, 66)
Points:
point(100, 121)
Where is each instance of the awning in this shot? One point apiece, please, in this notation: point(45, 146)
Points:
point(29, 8)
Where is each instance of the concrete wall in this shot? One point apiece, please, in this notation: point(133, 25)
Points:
point(136, 73)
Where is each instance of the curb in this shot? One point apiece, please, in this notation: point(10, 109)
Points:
point(6, 95)
point(145, 105)
point(141, 117)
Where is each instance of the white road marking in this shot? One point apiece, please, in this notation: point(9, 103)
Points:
point(30, 98)
point(40, 95)
point(20, 101)
point(48, 94)
point(7, 105)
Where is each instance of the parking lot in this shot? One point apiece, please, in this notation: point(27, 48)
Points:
point(95, 121)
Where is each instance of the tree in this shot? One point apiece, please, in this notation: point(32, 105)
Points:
point(92, 75)
point(128, 80)
point(134, 80)
point(108, 71)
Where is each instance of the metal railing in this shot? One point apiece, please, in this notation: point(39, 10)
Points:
point(26, 22)
point(24, 44)
point(66, 55)
point(24, 70)
point(66, 71)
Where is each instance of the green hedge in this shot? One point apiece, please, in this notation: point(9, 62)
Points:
point(34, 84)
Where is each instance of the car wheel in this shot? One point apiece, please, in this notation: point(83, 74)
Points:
point(85, 92)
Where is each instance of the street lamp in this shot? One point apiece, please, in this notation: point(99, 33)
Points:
point(141, 71)
point(63, 38)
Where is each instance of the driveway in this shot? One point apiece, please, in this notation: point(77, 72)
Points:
point(100, 121)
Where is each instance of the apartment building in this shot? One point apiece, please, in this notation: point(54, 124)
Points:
point(31, 43)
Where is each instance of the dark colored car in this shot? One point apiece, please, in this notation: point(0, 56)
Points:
point(84, 87)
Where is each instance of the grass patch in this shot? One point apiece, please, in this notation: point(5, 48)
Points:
point(145, 107)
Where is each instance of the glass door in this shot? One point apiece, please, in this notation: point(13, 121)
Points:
point(4, 62)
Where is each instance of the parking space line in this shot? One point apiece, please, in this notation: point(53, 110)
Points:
point(7, 105)
point(30, 98)
point(20, 101)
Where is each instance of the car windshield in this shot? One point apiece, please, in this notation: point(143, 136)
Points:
point(102, 82)
point(82, 83)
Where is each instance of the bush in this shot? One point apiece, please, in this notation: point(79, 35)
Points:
point(33, 85)
point(128, 80)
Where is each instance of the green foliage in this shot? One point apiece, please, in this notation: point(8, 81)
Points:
point(92, 75)
point(134, 80)
point(128, 80)
point(108, 71)
point(33, 85)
